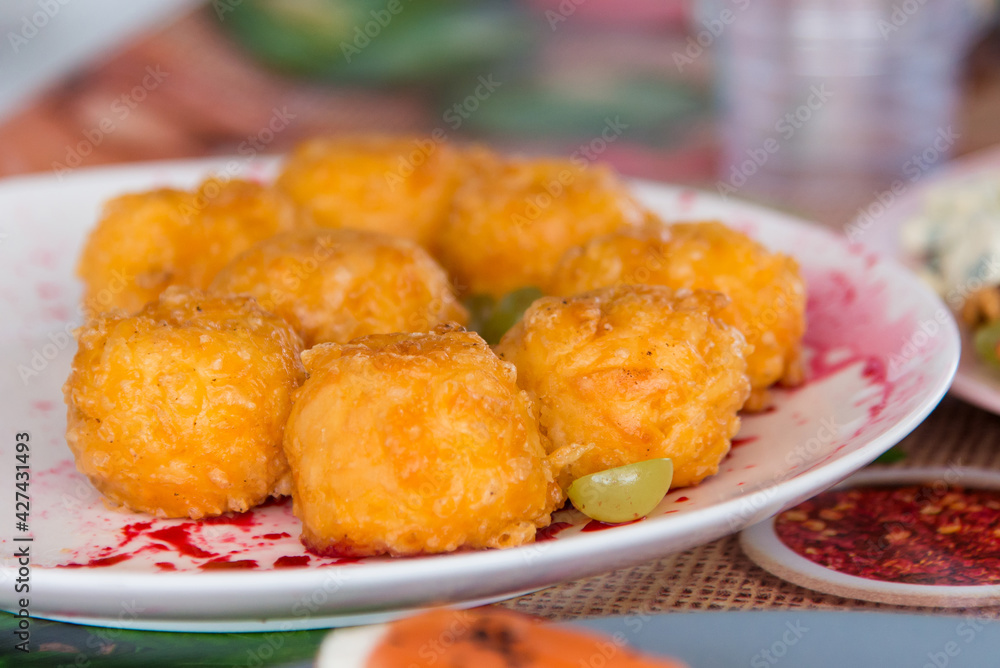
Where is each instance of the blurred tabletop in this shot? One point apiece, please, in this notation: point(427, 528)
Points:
point(203, 96)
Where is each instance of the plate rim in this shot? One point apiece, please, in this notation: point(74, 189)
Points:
point(715, 519)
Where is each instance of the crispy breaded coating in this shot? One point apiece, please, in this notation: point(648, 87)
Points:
point(638, 371)
point(767, 292)
point(337, 285)
point(401, 186)
point(416, 443)
point(179, 410)
point(146, 242)
point(513, 219)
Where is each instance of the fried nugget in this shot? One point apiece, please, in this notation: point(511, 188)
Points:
point(146, 242)
point(484, 637)
point(405, 444)
point(337, 285)
point(639, 371)
point(394, 185)
point(179, 411)
point(512, 220)
point(768, 294)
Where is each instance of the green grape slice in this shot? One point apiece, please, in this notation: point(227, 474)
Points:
point(624, 493)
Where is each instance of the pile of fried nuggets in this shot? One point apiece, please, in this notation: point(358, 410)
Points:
point(304, 338)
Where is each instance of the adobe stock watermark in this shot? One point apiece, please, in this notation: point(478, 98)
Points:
point(712, 29)
point(913, 169)
point(454, 117)
point(121, 108)
point(901, 13)
point(773, 653)
point(62, 339)
point(966, 630)
point(562, 13)
point(371, 29)
point(581, 158)
point(223, 7)
point(785, 128)
point(249, 149)
point(912, 345)
point(34, 23)
point(754, 506)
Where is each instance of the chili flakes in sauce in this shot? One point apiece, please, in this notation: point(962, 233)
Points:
point(916, 534)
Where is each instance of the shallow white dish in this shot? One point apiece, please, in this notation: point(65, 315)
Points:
point(863, 397)
point(975, 382)
point(762, 544)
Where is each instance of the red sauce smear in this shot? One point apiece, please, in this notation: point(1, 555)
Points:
point(166, 566)
point(551, 531)
point(276, 536)
point(224, 563)
point(246, 519)
point(179, 536)
point(99, 562)
point(130, 531)
point(737, 442)
point(595, 525)
point(292, 562)
point(343, 561)
point(681, 499)
point(915, 534)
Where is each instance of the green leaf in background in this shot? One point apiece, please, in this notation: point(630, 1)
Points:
point(58, 644)
point(361, 41)
point(561, 109)
point(492, 318)
point(891, 456)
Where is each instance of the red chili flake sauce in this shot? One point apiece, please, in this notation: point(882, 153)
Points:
point(916, 534)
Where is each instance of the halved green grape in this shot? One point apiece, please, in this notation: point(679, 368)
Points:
point(624, 493)
point(987, 342)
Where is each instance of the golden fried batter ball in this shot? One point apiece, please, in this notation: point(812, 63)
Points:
point(178, 411)
point(146, 242)
point(638, 371)
point(512, 220)
point(768, 294)
point(394, 185)
point(337, 285)
point(405, 444)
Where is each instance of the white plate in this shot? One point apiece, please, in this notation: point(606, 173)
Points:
point(974, 382)
point(863, 398)
point(762, 544)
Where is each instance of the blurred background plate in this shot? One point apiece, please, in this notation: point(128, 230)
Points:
point(974, 381)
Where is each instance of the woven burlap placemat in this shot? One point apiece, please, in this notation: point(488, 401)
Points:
point(718, 576)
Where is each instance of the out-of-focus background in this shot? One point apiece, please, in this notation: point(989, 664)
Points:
point(814, 106)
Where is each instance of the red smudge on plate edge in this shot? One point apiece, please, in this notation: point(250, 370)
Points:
point(292, 561)
point(551, 531)
point(596, 525)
